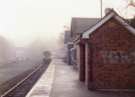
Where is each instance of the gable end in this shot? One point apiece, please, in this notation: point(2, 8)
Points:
point(104, 20)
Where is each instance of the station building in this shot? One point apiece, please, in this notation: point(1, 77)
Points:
point(106, 54)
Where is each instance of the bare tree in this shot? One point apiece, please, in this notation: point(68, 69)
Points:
point(131, 3)
point(36, 48)
point(132, 22)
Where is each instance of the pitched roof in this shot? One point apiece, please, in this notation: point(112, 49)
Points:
point(80, 25)
point(104, 20)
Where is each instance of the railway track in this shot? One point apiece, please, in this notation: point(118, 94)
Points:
point(21, 88)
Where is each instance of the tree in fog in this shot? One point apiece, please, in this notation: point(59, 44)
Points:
point(5, 50)
point(47, 54)
point(133, 22)
point(131, 4)
point(36, 48)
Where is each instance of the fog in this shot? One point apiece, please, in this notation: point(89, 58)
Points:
point(30, 27)
point(16, 59)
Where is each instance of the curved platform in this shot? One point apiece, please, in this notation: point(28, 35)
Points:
point(43, 86)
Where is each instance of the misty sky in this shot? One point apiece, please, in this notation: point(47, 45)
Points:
point(21, 21)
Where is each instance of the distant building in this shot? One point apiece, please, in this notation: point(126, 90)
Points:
point(106, 54)
point(78, 27)
point(67, 36)
point(69, 46)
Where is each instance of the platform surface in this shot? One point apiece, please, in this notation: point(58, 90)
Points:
point(44, 85)
point(66, 84)
point(61, 80)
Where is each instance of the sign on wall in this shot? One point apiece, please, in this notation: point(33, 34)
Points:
point(115, 57)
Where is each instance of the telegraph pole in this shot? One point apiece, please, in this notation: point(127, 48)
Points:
point(101, 7)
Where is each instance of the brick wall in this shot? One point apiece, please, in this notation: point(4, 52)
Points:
point(81, 61)
point(113, 57)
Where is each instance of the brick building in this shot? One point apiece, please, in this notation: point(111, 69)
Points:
point(78, 26)
point(106, 54)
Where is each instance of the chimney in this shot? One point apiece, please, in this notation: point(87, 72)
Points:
point(107, 10)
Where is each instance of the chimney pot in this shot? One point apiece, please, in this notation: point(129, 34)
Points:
point(107, 10)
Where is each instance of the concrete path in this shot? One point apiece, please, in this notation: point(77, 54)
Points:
point(66, 84)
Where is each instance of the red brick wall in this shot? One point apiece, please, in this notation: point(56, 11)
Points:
point(81, 61)
point(88, 66)
point(113, 58)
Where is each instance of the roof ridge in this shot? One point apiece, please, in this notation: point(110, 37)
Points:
point(104, 20)
point(94, 27)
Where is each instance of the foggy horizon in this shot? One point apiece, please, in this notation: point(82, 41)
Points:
point(23, 21)
point(67, 48)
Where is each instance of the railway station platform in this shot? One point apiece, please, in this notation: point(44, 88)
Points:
point(61, 80)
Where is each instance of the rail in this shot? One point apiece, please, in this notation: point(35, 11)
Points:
point(20, 82)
